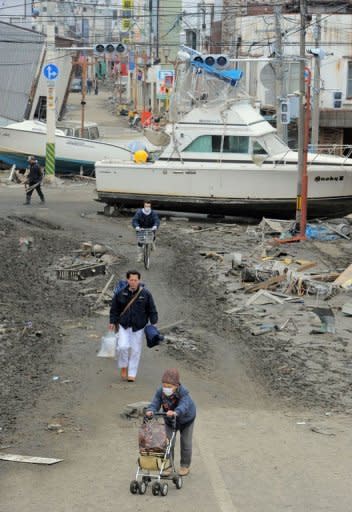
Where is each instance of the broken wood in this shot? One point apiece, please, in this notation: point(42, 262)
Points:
point(328, 277)
point(264, 297)
point(345, 278)
point(272, 281)
point(26, 458)
point(104, 290)
point(306, 266)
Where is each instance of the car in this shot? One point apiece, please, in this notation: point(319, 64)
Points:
point(76, 85)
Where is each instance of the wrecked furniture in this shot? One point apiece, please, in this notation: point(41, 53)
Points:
point(80, 271)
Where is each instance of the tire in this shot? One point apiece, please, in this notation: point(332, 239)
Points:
point(164, 489)
point(142, 487)
point(146, 256)
point(155, 488)
point(134, 487)
point(178, 482)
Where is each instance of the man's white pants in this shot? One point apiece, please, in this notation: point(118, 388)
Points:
point(129, 357)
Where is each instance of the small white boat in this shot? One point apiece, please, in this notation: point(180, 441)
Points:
point(73, 154)
point(223, 157)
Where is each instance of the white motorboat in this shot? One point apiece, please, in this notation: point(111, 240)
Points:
point(73, 154)
point(223, 157)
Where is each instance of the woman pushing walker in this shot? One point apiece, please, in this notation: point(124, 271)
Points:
point(174, 399)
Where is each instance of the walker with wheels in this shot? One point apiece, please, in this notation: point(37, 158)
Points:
point(155, 461)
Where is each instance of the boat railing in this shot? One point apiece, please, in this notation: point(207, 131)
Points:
point(343, 150)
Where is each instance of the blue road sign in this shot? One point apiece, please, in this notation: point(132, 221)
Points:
point(51, 71)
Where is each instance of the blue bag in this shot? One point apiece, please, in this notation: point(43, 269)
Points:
point(152, 335)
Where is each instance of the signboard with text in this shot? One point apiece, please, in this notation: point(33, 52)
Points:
point(164, 84)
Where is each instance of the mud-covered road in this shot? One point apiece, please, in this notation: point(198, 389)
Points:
point(273, 410)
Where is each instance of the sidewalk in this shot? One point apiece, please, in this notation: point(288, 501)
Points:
point(100, 110)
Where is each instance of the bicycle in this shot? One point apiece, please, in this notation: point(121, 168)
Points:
point(145, 237)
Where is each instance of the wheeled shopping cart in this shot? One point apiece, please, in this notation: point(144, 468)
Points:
point(155, 461)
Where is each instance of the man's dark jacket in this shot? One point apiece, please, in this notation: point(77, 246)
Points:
point(138, 314)
point(142, 220)
point(35, 174)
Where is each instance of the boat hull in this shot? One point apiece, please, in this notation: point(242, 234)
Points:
point(72, 154)
point(225, 189)
point(280, 209)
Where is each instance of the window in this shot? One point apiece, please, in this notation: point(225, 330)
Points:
point(349, 80)
point(212, 144)
point(201, 145)
point(40, 111)
point(258, 149)
point(94, 133)
point(78, 132)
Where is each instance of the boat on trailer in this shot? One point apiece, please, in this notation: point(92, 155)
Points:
point(223, 157)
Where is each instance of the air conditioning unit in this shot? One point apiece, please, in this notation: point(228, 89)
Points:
point(337, 99)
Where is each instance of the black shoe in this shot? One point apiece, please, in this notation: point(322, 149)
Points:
point(26, 204)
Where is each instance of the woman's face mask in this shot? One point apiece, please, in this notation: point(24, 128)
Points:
point(168, 391)
point(147, 210)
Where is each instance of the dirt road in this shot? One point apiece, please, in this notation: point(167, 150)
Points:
point(252, 451)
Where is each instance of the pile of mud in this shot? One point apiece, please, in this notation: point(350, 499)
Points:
point(33, 305)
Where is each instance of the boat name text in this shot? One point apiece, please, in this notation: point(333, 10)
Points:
point(329, 178)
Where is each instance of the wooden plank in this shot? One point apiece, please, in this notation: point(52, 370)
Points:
point(306, 266)
point(345, 278)
point(27, 458)
point(272, 281)
point(112, 277)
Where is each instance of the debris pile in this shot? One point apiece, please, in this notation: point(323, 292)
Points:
point(288, 305)
point(88, 262)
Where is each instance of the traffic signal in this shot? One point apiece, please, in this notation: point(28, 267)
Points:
point(109, 48)
point(284, 111)
point(216, 61)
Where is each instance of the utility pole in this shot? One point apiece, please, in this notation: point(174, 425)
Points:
point(51, 93)
point(229, 30)
point(316, 86)
point(83, 60)
point(302, 150)
point(280, 82)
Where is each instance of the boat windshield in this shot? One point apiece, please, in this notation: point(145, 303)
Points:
point(219, 144)
point(270, 143)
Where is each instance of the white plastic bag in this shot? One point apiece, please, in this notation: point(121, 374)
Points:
point(108, 345)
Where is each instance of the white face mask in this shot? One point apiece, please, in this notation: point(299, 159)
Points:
point(168, 391)
point(147, 210)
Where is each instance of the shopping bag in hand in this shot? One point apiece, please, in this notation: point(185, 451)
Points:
point(108, 345)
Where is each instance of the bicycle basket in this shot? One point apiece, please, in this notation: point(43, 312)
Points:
point(145, 236)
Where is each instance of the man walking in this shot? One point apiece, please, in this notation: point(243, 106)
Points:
point(34, 180)
point(131, 309)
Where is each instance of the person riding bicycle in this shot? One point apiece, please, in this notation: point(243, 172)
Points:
point(145, 218)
